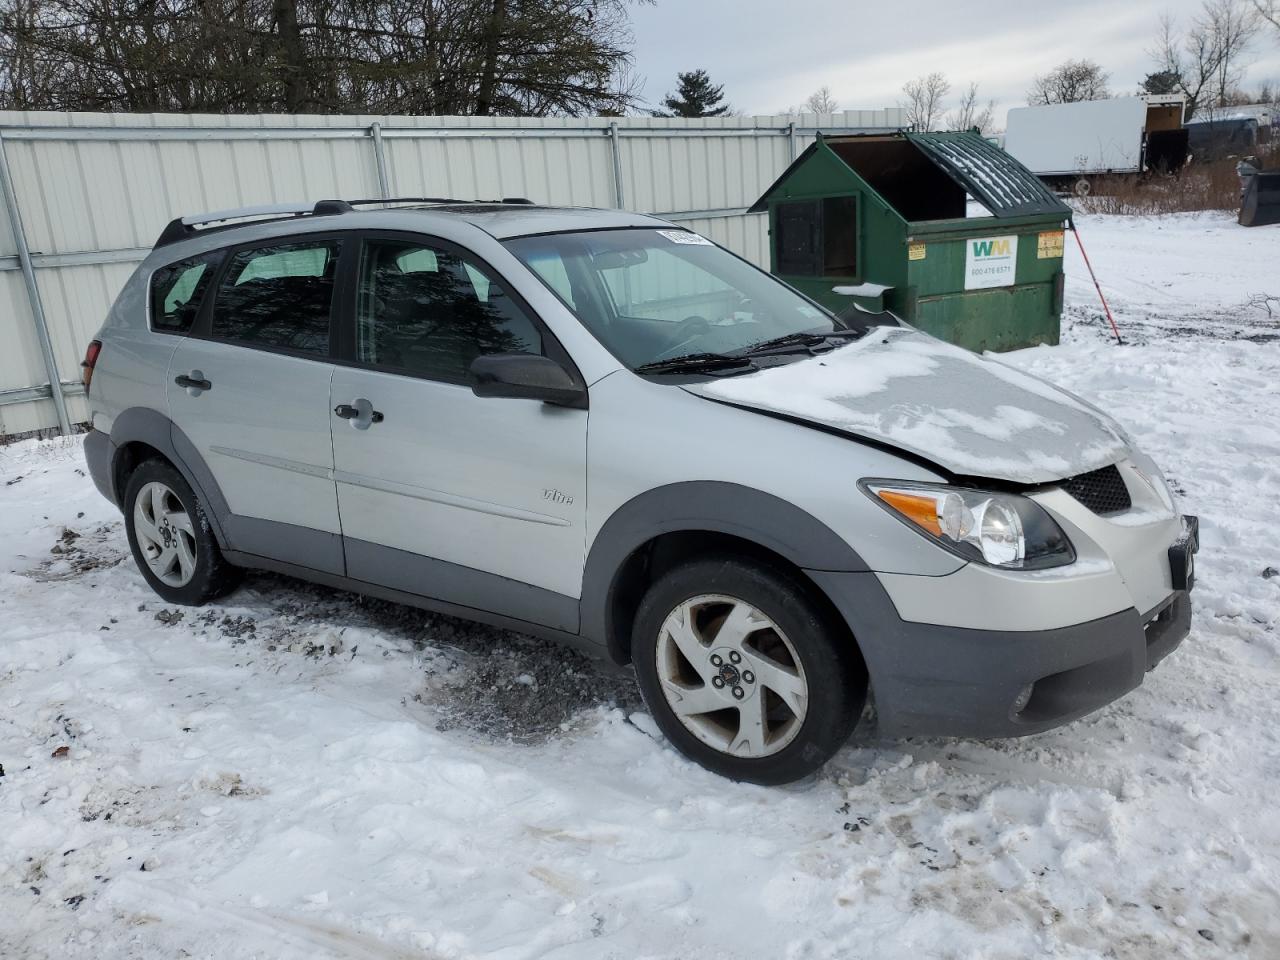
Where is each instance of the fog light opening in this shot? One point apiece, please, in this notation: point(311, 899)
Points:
point(1022, 699)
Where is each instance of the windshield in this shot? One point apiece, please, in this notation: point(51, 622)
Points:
point(657, 295)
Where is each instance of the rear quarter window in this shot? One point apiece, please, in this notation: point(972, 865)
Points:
point(177, 290)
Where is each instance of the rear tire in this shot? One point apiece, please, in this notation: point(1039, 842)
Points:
point(170, 537)
point(744, 672)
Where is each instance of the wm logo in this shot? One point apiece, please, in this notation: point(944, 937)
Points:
point(991, 248)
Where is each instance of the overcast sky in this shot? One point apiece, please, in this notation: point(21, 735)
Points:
point(771, 54)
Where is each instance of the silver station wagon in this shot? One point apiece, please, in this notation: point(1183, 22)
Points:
point(602, 428)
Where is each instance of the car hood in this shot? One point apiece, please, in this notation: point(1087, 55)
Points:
point(971, 415)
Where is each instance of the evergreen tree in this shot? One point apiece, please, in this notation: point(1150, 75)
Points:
point(1161, 81)
point(696, 96)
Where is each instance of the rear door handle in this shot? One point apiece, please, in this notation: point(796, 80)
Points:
point(194, 381)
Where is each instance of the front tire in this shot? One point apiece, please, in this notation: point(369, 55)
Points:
point(744, 672)
point(170, 537)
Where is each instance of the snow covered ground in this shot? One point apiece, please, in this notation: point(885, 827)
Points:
point(302, 774)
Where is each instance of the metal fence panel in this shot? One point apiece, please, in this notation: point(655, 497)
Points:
point(572, 172)
point(95, 190)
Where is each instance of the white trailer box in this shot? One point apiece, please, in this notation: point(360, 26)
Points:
point(1064, 139)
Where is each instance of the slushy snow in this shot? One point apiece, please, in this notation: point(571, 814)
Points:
point(294, 773)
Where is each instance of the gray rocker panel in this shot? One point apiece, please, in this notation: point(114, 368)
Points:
point(288, 542)
point(453, 583)
point(412, 599)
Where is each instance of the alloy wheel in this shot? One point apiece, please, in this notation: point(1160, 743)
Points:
point(165, 534)
point(731, 676)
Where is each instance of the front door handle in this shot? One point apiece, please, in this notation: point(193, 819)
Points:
point(195, 382)
point(360, 413)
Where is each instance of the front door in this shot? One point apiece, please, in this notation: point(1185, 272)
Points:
point(250, 389)
point(477, 502)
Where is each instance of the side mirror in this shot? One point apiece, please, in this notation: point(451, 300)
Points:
point(526, 376)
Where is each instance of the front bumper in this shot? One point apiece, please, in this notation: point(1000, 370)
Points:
point(936, 680)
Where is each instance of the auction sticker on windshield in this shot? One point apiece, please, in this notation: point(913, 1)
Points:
point(684, 236)
point(990, 262)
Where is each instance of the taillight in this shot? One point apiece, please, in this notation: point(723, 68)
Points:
point(90, 359)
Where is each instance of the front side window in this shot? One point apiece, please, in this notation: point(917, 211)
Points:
point(278, 297)
point(655, 295)
point(176, 292)
point(429, 312)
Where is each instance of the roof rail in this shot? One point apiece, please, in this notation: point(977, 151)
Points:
point(184, 227)
point(360, 203)
point(364, 203)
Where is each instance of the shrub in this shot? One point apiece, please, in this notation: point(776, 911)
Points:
point(1198, 186)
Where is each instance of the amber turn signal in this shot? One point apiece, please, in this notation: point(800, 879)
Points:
point(920, 510)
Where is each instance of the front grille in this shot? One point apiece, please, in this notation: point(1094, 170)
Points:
point(1102, 491)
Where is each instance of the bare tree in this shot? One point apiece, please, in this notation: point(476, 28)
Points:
point(496, 57)
point(924, 100)
point(1210, 57)
point(1268, 10)
point(968, 114)
point(1070, 82)
point(624, 92)
point(1233, 24)
point(821, 101)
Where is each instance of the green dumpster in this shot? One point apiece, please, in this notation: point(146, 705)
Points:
point(945, 229)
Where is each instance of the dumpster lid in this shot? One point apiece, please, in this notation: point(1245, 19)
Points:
point(980, 168)
point(989, 174)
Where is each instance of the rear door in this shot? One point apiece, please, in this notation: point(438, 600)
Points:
point(250, 389)
point(476, 501)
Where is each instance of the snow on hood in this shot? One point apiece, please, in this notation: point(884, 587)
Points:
point(971, 415)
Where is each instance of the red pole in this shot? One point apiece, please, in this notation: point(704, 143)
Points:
point(1096, 285)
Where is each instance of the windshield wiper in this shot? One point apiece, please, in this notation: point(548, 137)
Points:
point(698, 361)
point(803, 340)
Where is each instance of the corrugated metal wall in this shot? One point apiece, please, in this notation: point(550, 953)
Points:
point(94, 190)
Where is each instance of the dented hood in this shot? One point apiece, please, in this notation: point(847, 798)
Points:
point(970, 415)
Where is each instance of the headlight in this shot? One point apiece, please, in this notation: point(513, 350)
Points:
point(1000, 529)
point(1152, 476)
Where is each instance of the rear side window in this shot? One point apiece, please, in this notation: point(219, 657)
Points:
point(278, 297)
point(176, 292)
